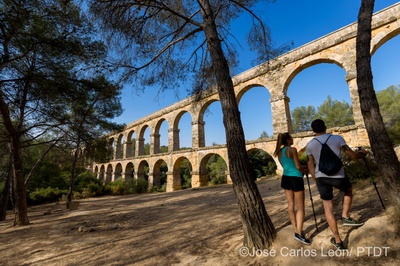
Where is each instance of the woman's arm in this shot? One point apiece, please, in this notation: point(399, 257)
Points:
point(295, 157)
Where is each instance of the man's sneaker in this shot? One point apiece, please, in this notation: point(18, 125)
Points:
point(351, 222)
point(338, 246)
point(302, 239)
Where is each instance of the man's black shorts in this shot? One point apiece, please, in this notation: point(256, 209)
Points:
point(292, 183)
point(325, 186)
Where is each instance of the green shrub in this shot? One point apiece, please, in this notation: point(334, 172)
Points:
point(63, 198)
point(118, 187)
point(141, 185)
point(87, 180)
point(218, 180)
point(154, 188)
point(303, 159)
point(45, 195)
point(186, 178)
point(122, 186)
point(87, 193)
point(77, 195)
point(162, 188)
point(107, 189)
point(131, 186)
point(262, 164)
point(93, 189)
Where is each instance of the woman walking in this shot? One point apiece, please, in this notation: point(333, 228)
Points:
point(293, 184)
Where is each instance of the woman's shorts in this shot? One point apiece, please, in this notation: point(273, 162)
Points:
point(294, 183)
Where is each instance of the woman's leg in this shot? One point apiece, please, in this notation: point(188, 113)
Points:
point(299, 199)
point(292, 215)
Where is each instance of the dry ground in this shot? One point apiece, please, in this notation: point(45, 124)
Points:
point(194, 227)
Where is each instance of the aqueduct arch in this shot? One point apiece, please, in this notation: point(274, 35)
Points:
point(276, 75)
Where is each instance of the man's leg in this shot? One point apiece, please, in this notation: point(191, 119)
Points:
point(330, 218)
point(346, 219)
point(347, 200)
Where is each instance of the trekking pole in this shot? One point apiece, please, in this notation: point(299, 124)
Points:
point(312, 203)
point(372, 180)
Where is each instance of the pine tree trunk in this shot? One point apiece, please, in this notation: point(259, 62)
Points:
point(19, 189)
point(259, 232)
point(21, 210)
point(382, 148)
point(73, 174)
point(6, 194)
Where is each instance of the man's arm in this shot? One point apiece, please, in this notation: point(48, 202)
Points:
point(352, 154)
point(311, 166)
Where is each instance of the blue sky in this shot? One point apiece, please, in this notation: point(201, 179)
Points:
point(294, 21)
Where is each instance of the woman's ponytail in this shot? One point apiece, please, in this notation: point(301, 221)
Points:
point(283, 140)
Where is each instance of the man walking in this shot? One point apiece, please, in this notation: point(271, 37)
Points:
point(325, 183)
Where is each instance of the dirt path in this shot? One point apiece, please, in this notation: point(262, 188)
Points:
point(191, 227)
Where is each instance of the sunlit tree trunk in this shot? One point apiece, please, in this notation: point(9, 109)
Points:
point(259, 232)
point(382, 147)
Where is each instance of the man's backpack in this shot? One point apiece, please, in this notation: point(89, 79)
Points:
point(329, 163)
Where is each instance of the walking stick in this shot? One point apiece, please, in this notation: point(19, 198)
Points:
point(312, 203)
point(372, 180)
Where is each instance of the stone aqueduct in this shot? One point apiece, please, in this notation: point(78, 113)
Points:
point(337, 48)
